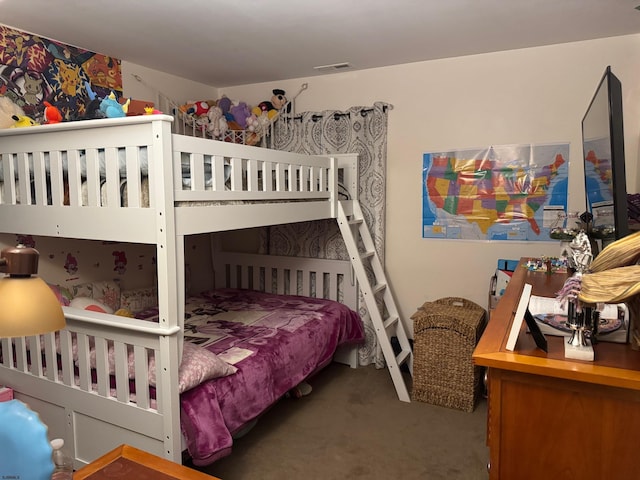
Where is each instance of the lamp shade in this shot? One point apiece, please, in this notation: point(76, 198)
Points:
point(28, 307)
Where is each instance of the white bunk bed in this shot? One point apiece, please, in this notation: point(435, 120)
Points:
point(132, 180)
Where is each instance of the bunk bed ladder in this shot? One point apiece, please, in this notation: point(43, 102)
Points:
point(377, 295)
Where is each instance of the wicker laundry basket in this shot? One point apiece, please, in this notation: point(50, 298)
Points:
point(446, 332)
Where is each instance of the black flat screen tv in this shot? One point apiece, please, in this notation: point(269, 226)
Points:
point(604, 161)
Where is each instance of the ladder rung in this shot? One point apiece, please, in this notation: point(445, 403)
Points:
point(356, 221)
point(378, 288)
point(366, 255)
point(390, 321)
point(402, 356)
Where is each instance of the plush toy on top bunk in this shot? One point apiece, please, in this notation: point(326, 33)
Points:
point(21, 121)
point(234, 121)
point(273, 107)
point(196, 113)
point(217, 122)
point(52, 113)
point(97, 107)
point(258, 124)
point(112, 108)
point(9, 110)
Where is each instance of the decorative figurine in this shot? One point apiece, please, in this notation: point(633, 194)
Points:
point(578, 318)
point(581, 254)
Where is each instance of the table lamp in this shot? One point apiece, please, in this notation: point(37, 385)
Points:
point(27, 307)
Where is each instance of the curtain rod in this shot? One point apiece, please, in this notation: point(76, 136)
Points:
point(336, 116)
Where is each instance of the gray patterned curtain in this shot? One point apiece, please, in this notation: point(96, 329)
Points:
point(361, 130)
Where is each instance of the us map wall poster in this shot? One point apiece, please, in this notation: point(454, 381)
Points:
point(505, 192)
point(34, 69)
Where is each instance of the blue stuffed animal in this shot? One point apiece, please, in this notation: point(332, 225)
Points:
point(111, 108)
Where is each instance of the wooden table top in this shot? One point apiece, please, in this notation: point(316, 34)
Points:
point(127, 462)
point(615, 364)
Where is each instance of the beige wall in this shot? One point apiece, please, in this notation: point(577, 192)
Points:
point(149, 83)
point(534, 95)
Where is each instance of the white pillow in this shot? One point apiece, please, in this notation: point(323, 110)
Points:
point(84, 303)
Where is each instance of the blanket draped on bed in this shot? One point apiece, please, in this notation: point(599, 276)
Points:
point(275, 342)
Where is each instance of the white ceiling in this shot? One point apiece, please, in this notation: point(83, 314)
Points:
point(236, 42)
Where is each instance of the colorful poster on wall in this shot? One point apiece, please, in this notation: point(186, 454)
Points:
point(506, 192)
point(34, 69)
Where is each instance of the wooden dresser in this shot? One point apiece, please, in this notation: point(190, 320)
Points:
point(129, 463)
point(552, 418)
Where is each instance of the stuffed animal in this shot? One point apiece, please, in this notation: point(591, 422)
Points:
point(90, 93)
point(22, 121)
point(92, 108)
point(240, 114)
point(111, 107)
point(225, 105)
point(7, 110)
point(265, 108)
point(125, 106)
point(258, 123)
point(252, 122)
point(217, 123)
point(271, 108)
point(278, 100)
point(51, 113)
point(198, 109)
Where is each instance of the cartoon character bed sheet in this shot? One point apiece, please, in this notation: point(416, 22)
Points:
point(275, 341)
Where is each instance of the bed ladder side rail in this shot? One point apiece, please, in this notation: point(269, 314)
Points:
point(377, 295)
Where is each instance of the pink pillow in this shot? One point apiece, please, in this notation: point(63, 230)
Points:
point(198, 365)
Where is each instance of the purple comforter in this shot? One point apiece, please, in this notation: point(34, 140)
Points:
point(275, 341)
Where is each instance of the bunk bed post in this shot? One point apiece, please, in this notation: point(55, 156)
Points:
point(333, 186)
point(348, 164)
point(170, 252)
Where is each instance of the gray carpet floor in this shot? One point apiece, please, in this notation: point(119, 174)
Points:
point(353, 427)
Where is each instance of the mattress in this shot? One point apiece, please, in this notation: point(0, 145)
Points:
point(122, 165)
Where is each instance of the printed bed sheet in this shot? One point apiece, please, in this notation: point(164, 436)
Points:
point(275, 341)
